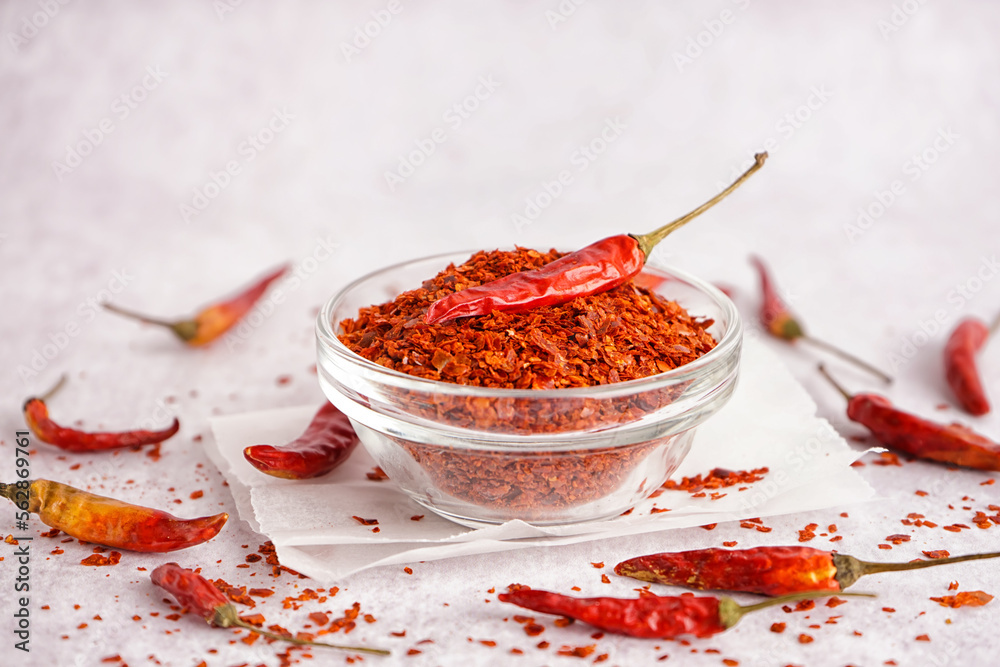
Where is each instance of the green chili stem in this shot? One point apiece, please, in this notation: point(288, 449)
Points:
point(995, 325)
point(648, 241)
point(873, 568)
point(822, 369)
point(823, 345)
point(730, 612)
point(138, 316)
point(226, 616)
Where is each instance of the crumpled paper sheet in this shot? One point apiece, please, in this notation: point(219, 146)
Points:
point(770, 421)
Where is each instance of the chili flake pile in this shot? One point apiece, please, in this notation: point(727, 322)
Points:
point(623, 334)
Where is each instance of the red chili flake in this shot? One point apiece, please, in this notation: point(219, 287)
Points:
point(964, 599)
point(254, 619)
point(543, 645)
point(889, 610)
point(517, 651)
point(408, 570)
point(282, 380)
point(413, 651)
point(577, 651)
point(730, 662)
point(377, 475)
point(401, 633)
point(805, 605)
point(835, 602)
point(710, 526)
point(533, 629)
point(598, 565)
point(884, 546)
point(887, 459)
point(763, 529)
point(319, 618)
point(837, 538)
point(488, 642)
point(416, 517)
point(260, 592)
point(988, 482)
point(602, 657)
point(563, 621)
point(922, 638)
point(805, 535)
point(805, 639)
point(730, 544)
point(365, 522)
point(717, 478)
point(51, 533)
point(97, 560)
point(920, 493)
point(604, 579)
point(195, 495)
point(953, 586)
point(897, 539)
point(10, 540)
point(658, 510)
point(940, 553)
point(777, 627)
point(112, 658)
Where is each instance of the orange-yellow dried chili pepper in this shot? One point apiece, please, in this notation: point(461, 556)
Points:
point(214, 320)
point(780, 323)
point(766, 570)
point(109, 522)
point(200, 596)
point(36, 415)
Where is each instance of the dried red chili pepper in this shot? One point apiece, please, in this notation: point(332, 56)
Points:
point(36, 415)
point(326, 443)
point(765, 570)
point(214, 320)
point(779, 322)
point(907, 433)
point(596, 268)
point(112, 523)
point(200, 596)
point(960, 351)
point(649, 616)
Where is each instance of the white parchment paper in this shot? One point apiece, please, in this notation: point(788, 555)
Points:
point(770, 421)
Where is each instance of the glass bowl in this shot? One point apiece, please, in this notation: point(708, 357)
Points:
point(481, 456)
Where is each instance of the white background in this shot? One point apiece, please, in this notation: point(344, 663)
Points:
point(884, 85)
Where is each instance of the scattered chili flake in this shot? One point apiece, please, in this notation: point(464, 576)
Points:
point(577, 651)
point(365, 522)
point(710, 526)
point(604, 579)
point(729, 662)
point(884, 546)
point(940, 553)
point(777, 627)
point(408, 570)
point(805, 605)
point(97, 560)
point(413, 651)
point(319, 618)
point(112, 658)
point(488, 642)
point(897, 539)
point(964, 599)
point(377, 475)
point(988, 482)
point(835, 602)
point(564, 621)
point(887, 459)
point(533, 629)
point(953, 586)
point(260, 592)
point(543, 645)
point(717, 478)
point(889, 610)
point(10, 539)
point(920, 493)
point(805, 639)
point(195, 495)
point(598, 565)
point(602, 657)
point(237, 594)
point(517, 651)
point(416, 517)
point(922, 638)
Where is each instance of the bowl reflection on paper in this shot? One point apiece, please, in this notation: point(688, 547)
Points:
point(479, 455)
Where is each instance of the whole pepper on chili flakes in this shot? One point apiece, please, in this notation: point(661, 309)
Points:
point(621, 334)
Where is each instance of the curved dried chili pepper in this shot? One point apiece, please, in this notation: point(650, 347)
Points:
point(907, 433)
point(201, 597)
point(214, 320)
point(326, 443)
point(649, 616)
point(36, 415)
point(112, 523)
point(960, 351)
point(780, 322)
point(596, 268)
point(766, 570)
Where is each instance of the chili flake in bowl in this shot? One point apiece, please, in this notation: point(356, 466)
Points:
point(560, 414)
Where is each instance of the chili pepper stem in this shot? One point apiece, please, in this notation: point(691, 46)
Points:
point(730, 612)
point(185, 329)
point(995, 325)
point(850, 569)
point(823, 345)
point(648, 241)
point(226, 616)
point(837, 386)
point(51, 392)
point(8, 491)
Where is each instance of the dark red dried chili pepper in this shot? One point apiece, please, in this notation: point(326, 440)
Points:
point(214, 320)
point(960, 363)
point(780, 322)
point(200, 596)
point(113, 523)
point(36, 415)
point(766, 570)
point(596, 268)
point(648, 616)
point(907, 433)
point(326, 443)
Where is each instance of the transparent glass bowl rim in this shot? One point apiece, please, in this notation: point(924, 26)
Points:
point(331, 344)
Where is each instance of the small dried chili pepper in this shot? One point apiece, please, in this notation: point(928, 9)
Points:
point(951, 443)
point(112, 523)
point(36, 414)
point(200, 596)
point(960, 363)
point(326, 443)
point(596, 268)
point(779, 322)
point(214, 320)
point(766, 570)
point(649, 616)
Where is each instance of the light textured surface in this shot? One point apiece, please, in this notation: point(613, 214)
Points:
point(913, 102)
